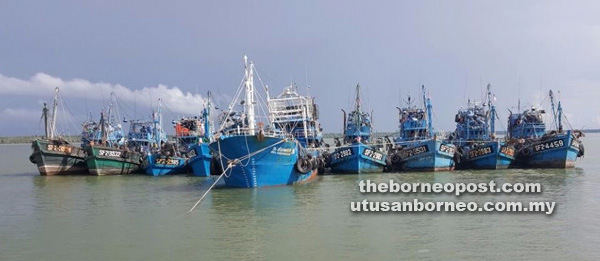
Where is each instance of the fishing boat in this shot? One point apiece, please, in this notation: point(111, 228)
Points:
point(195, 135)
point(112, 159)
point(417, 148)
point(52, 154)
point(92, 131)
point(253, 154)
point(356, 155)
point(475, 138)
point(538, 148)
point(163, 157)
point(298, 115)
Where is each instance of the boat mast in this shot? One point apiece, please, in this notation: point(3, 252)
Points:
point(428, 107)
point(551, 94)
point(560, 127)
point(54, 109)
point(249, 104)
point(357, 111)
point(492, 110)
point(206, 116)
point(103, 133)
point(158, 124)
point(45, 116)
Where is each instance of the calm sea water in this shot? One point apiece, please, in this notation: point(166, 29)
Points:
point(143, 218)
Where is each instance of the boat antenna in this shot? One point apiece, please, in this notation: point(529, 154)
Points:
point(306, 76)
point(466, 82)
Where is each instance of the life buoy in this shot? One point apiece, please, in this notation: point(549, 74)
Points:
point(303, 165)
point(579, 154)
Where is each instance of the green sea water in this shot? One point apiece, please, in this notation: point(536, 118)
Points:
point(144, 218)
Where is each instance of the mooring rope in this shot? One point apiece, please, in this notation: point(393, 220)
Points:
point(230, 165)
point(211, 186)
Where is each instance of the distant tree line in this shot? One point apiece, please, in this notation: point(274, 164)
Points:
point(28, 139)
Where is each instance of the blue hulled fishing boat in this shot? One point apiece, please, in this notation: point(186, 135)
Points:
point(538, 148)
point(417, 148)
point(298, 115)
point(164, 158)
point(475, 138)
point(356, 155)
point(253, 154)
point(193, 136)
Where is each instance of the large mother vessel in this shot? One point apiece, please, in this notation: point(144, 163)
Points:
point(255, 154)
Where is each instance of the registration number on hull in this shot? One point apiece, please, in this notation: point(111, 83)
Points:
point(480, 152)
point(548, 145)
point(414, 151)
point(59, 148)
point(447, 149)
point(373, 154)
point(341, 154)
point(167, 161)
point(109, 153)
point(508, 151)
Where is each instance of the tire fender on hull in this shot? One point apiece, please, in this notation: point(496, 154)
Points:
point(304, 165)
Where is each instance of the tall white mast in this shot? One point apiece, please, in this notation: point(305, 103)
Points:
point(54, 109)
point(249, 104)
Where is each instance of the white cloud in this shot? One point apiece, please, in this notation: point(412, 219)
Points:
point(18, 113)
point(42, 85)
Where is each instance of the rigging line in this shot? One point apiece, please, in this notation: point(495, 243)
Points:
point(232, 105)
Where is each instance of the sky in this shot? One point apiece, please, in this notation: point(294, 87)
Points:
point(179, 50)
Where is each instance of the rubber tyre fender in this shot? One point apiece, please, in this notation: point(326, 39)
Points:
point(581, 150)
point(303, 165)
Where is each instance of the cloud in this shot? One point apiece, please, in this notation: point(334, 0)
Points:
point(11, 113)
point(42, 85)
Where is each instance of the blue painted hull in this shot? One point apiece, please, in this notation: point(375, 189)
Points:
point(426, 155)
point(200, 163)
point(357, 158)
point(272, 163)
point(159, 166)
point(555, 152)
point(489, 155)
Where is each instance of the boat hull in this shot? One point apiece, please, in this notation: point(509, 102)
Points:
point(272, 162)
point(110, 161)
point(200, 163)
point(426, 155)
point(488, 155)
point(559, 151)
point(57, 158)
point(357, 158)
point(158, 165)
